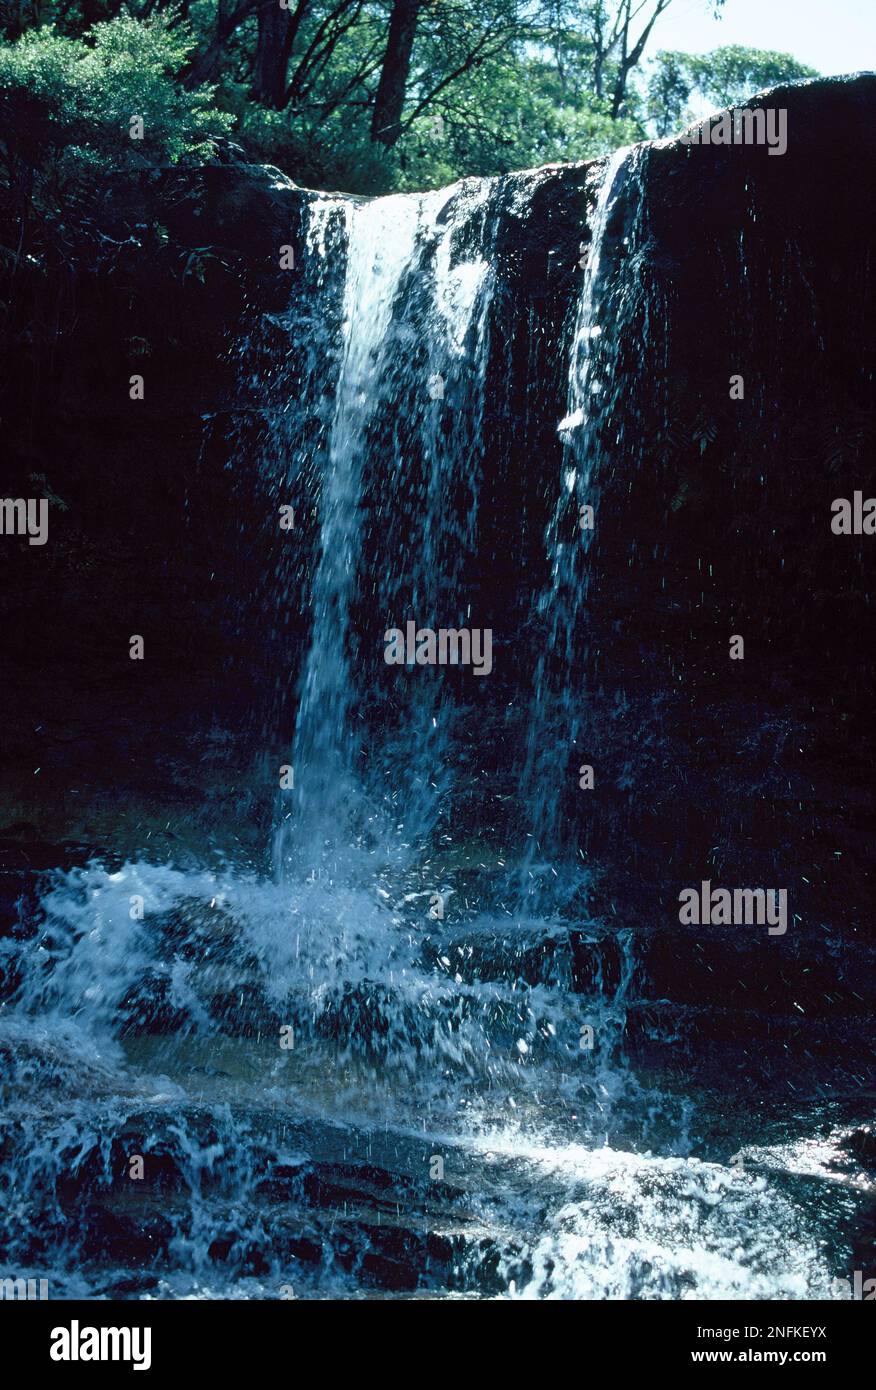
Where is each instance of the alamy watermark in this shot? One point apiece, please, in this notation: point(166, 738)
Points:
point(23, 1289)
point(858, 1289)
point(766, 125)
point(707, 906)
point(75, 1343)
point(25, 516)
point(448, 646)
point(854, 518)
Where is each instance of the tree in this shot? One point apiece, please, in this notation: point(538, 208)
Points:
point(626, 44)
point(670, 87)
point(725, 77)
point(277, 29)
point(728, 76)
point(307, 31)
point(454, 38)
point(366, 95)
point(613, 34)
point(389, 100)
point(66, 112)
point(230, 14)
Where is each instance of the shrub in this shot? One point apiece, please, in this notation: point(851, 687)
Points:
point(74, 100)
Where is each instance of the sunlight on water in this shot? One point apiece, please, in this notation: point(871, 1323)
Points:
point(313, 1061)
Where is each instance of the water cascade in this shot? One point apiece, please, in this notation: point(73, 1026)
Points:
point(417, 1051)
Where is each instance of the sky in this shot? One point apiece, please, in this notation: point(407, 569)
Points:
point(833, 36)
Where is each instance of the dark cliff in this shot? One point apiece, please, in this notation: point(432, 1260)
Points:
point(714, 518)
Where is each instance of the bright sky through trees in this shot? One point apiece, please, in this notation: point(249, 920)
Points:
point(834, 36)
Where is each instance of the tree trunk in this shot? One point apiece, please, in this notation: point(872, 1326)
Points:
point(620, 91)
point(631, 57)
point(229, 15)
point(389, 102)
point(277, 30)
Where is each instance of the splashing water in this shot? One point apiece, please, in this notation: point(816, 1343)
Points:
point(391, 1067)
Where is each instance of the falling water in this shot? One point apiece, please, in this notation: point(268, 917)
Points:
point(609, 294)
point(380, 245)
point(335, 1085)
point(395, 246)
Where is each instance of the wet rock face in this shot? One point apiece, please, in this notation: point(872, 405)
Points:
point(715, 519)
point(713, 514)
point(160, 513)
point(225, 1028)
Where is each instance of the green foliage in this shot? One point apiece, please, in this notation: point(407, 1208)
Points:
point(66, 111)
point(728, 76)
point(337, 153)
point(506, 127)
point(490, 86)
point(73, 100)
point(669, 91)
point(506, 118)
point(512, 109)
point(725, 77)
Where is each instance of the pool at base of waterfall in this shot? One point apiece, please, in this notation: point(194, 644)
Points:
point(253, 1091)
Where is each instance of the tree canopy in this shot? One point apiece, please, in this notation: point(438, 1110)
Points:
point(361, 95)
point(725, 77)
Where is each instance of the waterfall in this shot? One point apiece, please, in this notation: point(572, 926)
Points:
point(381, 238)
point(406, 1059)
point(397, 344)
point(609, 294)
